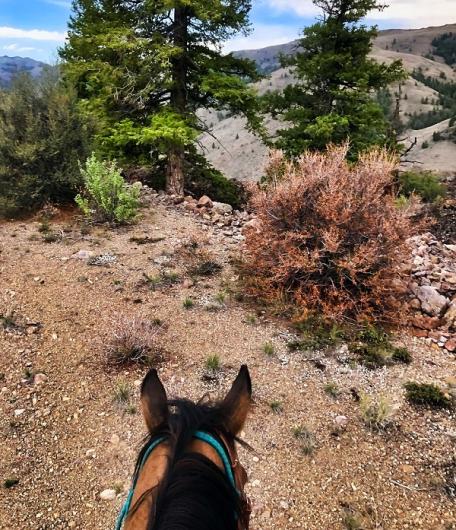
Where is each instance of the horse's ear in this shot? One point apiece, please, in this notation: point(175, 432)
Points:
point(237, 402)
point(154, 401)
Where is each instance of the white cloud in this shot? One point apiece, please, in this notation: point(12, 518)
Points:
point(32, 34)
point(410, 13)
point(61, 3)
point(16, 48)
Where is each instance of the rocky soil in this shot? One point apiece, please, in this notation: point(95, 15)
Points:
point(69, 426)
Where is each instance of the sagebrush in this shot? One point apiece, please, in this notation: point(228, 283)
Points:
point(329, 237)
point(133, 340)
point(106, 195)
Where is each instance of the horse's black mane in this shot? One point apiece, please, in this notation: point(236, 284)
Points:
point(194, 493)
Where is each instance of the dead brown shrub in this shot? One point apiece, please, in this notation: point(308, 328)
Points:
point(133, 340)
point(329, 237)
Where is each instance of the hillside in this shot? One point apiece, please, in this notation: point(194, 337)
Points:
point(11, 66)
point(240, 155)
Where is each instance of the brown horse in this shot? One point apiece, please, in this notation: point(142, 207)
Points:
point(188, 476)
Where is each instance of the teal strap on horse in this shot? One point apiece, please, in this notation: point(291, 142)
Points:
point(199, 435)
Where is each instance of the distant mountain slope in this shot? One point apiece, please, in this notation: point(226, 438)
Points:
point(241, 155)
point(11, 66)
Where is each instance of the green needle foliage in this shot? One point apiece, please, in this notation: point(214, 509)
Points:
point(42, 137)
point(332, 100)
point(145, 68)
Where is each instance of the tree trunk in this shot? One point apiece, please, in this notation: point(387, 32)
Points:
point(175, 175)
point(176, 155)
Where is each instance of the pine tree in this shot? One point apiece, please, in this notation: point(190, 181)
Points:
point(146, 67)
point(332, 100)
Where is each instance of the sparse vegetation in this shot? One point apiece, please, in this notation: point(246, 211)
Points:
point(427, 394)
point(376, 412)
point(10, 483)
point(132, 340)
point(269, 349)
point(122, 393)
point(332, 389)
point(188, 303)
point(306, 438)
point(276, 406)
point(213, 363)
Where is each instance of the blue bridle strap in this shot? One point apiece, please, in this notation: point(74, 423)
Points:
point(199, 435)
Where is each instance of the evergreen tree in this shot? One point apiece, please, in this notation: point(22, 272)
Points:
point(332, 100)
point(145, 68)
point(42, 138)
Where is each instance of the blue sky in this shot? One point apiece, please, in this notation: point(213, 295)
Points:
point(35, 28)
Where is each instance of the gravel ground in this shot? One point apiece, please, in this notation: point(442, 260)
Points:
point(64, 438)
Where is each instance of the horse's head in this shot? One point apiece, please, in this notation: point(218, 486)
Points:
point(188, 475)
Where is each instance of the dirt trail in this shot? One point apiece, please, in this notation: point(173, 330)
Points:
point(66, 439)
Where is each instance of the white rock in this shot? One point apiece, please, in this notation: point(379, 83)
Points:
point(432, 302)
point(19, 412)
point(108, 495)
point(83, 254)
point(40, 379)
point(222, 208)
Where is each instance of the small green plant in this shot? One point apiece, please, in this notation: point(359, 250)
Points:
point(276, 407)
point(425, 144)
point(269, 349)
point(306, 438)
point(131, 409)
point(352, 522)
point(206, 268)
point(118, 488)
point(52, 237)
point(425, 184)
point(10, 483)
point(251, 319)
point(376, 412)
point(106, 196)
point(402, 355)
point(220, 297)
point(427, 395)
point(213, 363)
point(122, 392)
point(332, 389)
point(188, 303)
point(44, 226)
point(316, 334)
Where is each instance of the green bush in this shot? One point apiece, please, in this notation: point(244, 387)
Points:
point(107, 197)
point(42, 138)
point(427, 394)
point(425, 184)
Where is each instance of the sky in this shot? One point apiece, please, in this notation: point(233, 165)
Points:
point(36, 28)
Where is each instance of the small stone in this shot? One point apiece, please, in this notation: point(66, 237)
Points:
point(39, 379)
point(450, 345)
point(341, 421)
point(186, 284)
point(407, 469)
point(205, 202)
point(115, 439)
point(19, 412)
point(284, 505)
point(256, 483)
point(90, 453)
point(108, 495)
point(82, 254)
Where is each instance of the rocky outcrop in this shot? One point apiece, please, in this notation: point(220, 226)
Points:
point(433, 290)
